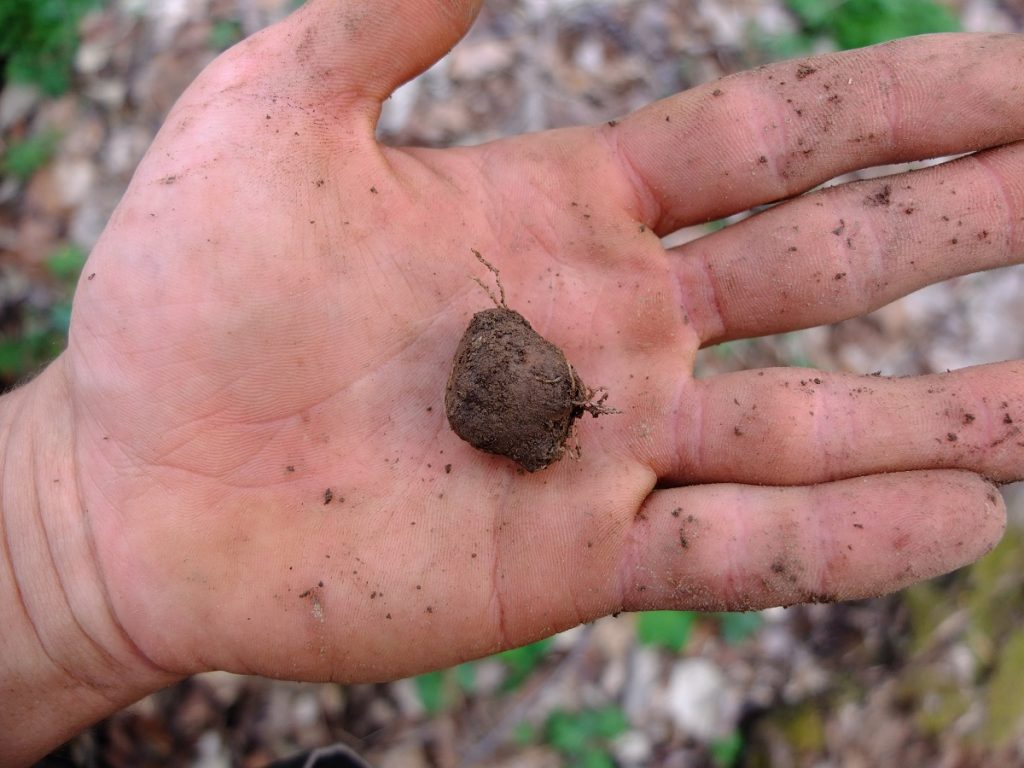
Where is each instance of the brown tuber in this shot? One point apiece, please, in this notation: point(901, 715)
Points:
point(512, 392)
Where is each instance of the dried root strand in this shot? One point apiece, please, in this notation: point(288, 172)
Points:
point(497, 279)
point(596, 407)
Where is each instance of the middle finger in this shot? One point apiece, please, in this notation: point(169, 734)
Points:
point(847, 250)
point(789, 426)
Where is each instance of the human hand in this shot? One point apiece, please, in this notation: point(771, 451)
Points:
point(273, 309)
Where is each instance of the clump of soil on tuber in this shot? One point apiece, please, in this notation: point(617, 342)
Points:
point(513, 393)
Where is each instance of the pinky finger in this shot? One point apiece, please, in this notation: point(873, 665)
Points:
point(739, 547)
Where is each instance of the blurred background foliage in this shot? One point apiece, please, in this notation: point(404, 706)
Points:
point(38, 40)
point(856, 23)
point(953, 657)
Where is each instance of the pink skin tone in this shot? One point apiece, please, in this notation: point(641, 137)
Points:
point(272, 313)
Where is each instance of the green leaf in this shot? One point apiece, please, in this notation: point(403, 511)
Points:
point(14, 354)
point(594, 757)
point(224, 34)
point(522, 661)
point(610, 722)
point(577, 733)
point(66, 263)
point(38, 40)
point(856, 23)
point(812, 14)
point(865, 22)
point(465, 676)
point(566, 732)
point(35, 346)
point(725, 752)
point(735, 627)
point(60, 324)
point(665, 629)
point(430, 687)
point(26, 156)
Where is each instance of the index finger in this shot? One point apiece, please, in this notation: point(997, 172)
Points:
point(770, 133)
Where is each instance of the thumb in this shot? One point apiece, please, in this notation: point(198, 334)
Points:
point(367, 48)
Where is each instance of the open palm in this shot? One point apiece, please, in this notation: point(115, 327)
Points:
point(262, 338)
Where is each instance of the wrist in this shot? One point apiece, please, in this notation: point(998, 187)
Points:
point(65, 661)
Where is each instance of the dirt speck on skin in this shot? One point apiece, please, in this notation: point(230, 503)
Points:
point(513, 393)
point(879, 198)
point(805, 70)
point(688, 530)
point(781, 572)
